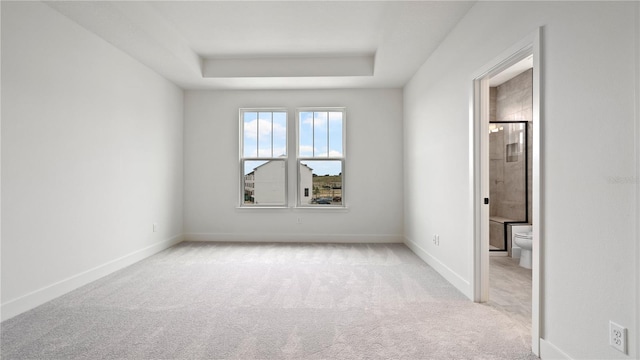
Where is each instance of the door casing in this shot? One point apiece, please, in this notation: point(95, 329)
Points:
point(479, 165)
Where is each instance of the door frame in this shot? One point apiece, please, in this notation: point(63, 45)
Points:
point(479, 180)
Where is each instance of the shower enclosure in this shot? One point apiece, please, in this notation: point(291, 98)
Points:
point(508, 185)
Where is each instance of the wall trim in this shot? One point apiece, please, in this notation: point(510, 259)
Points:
point(464, 286)
point(550, 351)
point(293, 238)
point(38, 297)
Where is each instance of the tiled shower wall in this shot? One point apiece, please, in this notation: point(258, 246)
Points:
point(510, 101)
point(514, 98)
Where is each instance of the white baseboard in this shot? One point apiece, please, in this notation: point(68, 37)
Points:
point(301, 238)
point(38, 297)
point(551, 352)
point(464, 286)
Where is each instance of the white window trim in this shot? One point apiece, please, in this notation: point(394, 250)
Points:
point(343, 158)
point(242, 158)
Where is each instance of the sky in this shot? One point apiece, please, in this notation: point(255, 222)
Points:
point(314, 141)
point(265, 135)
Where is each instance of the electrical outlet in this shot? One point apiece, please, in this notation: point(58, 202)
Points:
point(155, 227)
point(299, 221)
point(618, 337)
point(438, 240)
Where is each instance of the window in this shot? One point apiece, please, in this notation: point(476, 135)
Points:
point(263, 157)
point(321, 156)
point(319, 164)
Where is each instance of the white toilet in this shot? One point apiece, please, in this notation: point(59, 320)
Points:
point(524, 240)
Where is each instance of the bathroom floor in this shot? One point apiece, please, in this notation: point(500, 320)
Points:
point(510, 289)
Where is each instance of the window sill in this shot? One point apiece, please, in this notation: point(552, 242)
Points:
point(259, 208)
point(322, 208)
point(293, 208)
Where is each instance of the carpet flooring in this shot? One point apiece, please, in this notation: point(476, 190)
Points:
point(267, 301)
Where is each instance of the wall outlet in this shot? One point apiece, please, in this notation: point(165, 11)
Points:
point(155, 227)
point(436, 239)
point(618, 337)
point(299, 221)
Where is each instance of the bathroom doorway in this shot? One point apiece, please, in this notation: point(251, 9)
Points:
point(507, 211)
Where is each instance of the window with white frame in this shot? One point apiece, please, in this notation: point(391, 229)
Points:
point(263, 157)
point(321, 156)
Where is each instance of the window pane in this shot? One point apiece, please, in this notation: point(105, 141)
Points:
point(335, 134)
point(279, 134)
point(324, 177)
point(320, 134)
point(305, 147)
point(264, 182)
point(250, 136)
point(264, 134)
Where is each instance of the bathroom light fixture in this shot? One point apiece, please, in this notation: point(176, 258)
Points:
point(494, 128)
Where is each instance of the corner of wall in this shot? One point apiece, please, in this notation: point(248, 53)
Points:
point(464, 286)
point(38, 297)
point(637, 144)
point(550, 351)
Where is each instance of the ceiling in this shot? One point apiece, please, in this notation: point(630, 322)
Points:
point(512, 71)
point(273, 45)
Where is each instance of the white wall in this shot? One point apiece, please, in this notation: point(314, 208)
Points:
point(373, 174)
point(589, 216)
point(91, 157)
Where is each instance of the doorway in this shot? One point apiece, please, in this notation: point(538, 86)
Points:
point(480, 163)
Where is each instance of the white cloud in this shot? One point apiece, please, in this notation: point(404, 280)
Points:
point(251, 129)
point(306, 150)
point(266, 152)
point(320, 119)
point(335, 117)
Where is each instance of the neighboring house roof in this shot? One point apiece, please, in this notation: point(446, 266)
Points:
point(268, 162)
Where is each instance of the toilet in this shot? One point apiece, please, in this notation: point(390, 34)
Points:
point(524, 240)
point(513, 229)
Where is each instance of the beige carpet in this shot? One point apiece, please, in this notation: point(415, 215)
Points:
point(267, 301)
